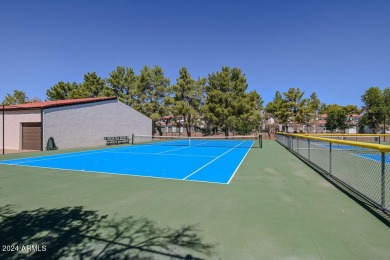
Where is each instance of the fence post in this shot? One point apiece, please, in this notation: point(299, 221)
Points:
point(3, 131)
point(330, 158)
point(288, 141)
point(292, 142)
point(383, 180)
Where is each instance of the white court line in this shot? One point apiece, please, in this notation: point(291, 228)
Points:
point(72, 154)
point(181, 148)
point(185, 147)
point(211, 161)
point(172, 154)
point(54, 156)
point(113, 173)
point(81, 153)
point(231, 178)
point(371, 159)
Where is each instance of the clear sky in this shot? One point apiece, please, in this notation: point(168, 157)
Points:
point(337, 49)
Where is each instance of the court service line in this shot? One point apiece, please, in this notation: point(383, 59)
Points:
point(180, 148)
point(185, 147)
point(172, 154)
point(211, 161)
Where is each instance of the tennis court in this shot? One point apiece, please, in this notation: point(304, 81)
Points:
point(337, 146)
point(203, 159)
point(276, 207)
point(375, 157)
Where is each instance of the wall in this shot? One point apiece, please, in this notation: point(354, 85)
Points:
point(13, 126)
point(86, 125)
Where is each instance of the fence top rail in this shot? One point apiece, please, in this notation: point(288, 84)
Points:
point(379, 147)
point(341, 134)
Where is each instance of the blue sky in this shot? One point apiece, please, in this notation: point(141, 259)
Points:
point(337, 49)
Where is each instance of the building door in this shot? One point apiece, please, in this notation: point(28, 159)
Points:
point(31, 136)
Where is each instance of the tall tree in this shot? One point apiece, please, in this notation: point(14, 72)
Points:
point(18, 97)
point(323, 108)
point(274, 106)
point(336, 119)
point(93, 86)
point(376, 106)
point(351, 109)
point(278, 109)
point(298, 106)
point(62, 90)
point(124, 84)
point(248, 113)
point(314, 107)
point(225, 97)
point(34, 100)
point(283, 114)
point(314, 103)
point(188, 98)
point(386, 95)
point(153, 90)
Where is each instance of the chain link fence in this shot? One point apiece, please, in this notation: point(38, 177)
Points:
point(362, 167)
point(365, 138)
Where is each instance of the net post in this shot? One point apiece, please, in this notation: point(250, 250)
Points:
point(132, 139)
point(260, 141)
point(383, 180)
point(308, 146)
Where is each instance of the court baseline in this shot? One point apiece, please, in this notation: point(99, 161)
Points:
point(190, 163)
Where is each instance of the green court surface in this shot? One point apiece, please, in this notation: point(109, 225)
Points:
point(276, 207)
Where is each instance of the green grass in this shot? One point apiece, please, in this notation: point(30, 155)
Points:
point(276, 207)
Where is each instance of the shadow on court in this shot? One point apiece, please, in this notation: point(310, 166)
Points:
point(78, 233)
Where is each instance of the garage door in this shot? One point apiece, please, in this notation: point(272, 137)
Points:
point(31, 136)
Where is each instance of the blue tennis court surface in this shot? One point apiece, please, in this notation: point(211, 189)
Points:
point(338, 146)
point(190, 163)
point(375, 157)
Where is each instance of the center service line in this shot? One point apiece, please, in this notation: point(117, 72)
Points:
point(211, 161)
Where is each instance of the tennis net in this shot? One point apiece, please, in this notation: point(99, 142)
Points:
point(208, 141)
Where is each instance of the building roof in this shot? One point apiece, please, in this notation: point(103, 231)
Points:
point(56, 103)
point(356, 115)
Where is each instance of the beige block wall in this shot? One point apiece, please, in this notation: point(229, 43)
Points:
point(13, 126)
point(86, 125)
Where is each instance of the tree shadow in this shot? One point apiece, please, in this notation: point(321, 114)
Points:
point(74, 232)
